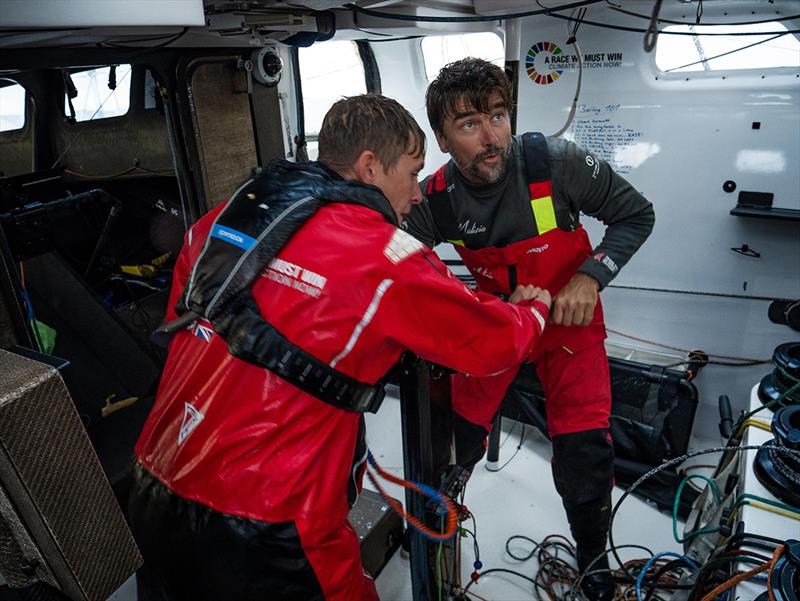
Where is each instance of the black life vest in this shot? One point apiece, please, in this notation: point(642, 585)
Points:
point(246, 235)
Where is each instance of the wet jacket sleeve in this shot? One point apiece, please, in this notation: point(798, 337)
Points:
point(592, 187)
point(430, 312)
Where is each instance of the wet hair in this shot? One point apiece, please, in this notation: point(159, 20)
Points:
point(368, 122)
point(471, 81)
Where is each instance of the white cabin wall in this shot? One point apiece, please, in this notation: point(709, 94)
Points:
point(677, 141)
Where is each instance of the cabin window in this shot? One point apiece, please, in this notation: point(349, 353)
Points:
point(12, 106)
point(101, 93)
point(437, 51)
point(328, 71)
point(684, 53)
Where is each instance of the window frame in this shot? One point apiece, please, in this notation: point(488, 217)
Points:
point(25, 102)
point(712, 73)
point(303, 101)
point(110, 119)
point(497, 34)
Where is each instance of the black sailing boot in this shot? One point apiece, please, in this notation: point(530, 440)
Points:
point(589, 525)
point(583, 472)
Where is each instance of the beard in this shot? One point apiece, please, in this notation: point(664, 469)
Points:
point(488, 174)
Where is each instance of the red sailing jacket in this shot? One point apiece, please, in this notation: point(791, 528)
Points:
point(353, 290)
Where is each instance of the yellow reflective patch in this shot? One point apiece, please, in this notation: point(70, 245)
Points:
point(544, 214)
point(456, 242)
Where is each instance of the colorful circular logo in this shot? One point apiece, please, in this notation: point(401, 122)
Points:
point(542, 50)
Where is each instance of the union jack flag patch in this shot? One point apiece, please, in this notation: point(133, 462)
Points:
point(204, 332)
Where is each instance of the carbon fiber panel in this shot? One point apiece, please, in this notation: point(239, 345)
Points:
point(54, 481)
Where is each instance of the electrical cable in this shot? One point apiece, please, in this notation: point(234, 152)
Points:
point(444, 502)
point(754, 423)
point(659, 574)
point(574, 41)
point(793, 514)
point(768, 565)
point(712, 566)
point(786, 394)
point(650, 562)
point(169, 40)
point(173, 147)
point(718, 568)
point(121, 173)
point(677, 503)
point(651, 35)
point(519, 446)
point(388, 39)
point(698, 292)
point(619, 9)
point(758, 541)
point(439, 548)
point(553, 570)
point(523, 537)
point(683, 350)
point(699, 13)
point(499, 570)
point(588, 571)
point(667, 465)
point(469, 19)
point(550, 12)
point(639, 30)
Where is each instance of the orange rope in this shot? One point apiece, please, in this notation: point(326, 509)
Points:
point(775, 556)
point(767, 565)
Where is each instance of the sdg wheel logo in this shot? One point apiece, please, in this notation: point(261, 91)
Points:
point(544, 51)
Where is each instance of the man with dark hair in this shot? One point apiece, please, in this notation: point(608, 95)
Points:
point(510, 206)
point(244, 477)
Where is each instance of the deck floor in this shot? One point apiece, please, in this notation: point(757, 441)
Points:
point(519, 499)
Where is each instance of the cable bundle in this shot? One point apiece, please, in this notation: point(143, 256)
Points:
point(445, 503)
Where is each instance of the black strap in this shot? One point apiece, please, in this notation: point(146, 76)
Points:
point(247, 234)
point(537, 163)
point(251, 338)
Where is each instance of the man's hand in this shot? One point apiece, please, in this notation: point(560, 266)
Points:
point(530, 292)
point(574, 305)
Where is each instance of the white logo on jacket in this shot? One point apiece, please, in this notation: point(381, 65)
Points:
point(401, 246)
point(538, 249)
point(226, 234)
point(484, 271)
point(468, 227)
point(590, 161)
point(191, 419)
point(294, 276)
